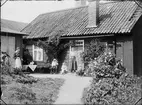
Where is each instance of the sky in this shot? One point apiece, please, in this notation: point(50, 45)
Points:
point(26, 11)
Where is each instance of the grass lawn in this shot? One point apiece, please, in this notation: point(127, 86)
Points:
point(43, 91)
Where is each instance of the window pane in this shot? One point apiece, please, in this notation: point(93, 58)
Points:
point(39, 56)
point(35, 55)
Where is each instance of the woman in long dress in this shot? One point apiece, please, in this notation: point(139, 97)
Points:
point(73, 64)
point(18, 64)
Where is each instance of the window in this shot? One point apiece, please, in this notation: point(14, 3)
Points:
point(37, 53)
point(77, 47)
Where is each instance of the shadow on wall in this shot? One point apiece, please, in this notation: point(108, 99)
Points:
point(63, 58)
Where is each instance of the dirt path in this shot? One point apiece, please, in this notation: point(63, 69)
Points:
point(71, 91)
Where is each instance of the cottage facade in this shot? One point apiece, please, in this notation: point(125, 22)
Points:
point(116, 23)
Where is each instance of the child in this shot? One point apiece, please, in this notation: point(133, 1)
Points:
point(64, 69)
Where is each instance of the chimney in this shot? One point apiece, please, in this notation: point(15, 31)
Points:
point(79, 3)
point(93, 13)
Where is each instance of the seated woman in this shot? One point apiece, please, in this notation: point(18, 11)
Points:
point(54, 66)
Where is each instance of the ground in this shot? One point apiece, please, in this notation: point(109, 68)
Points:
point(71, 91)
point(29, 90)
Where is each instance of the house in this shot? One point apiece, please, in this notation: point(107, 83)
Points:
point(11, 37)
point(116, 23)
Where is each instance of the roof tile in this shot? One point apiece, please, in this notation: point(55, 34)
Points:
point(114, 17)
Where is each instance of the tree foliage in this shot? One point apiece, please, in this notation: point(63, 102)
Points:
point(93, 50)
point(53, 47)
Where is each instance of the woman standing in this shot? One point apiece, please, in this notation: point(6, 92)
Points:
point(73, 64)
point(18, 64)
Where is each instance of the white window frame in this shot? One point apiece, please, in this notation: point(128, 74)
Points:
point(38, 49)
point(78, 44)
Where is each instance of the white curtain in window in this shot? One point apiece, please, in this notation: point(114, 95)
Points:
point(37, 53)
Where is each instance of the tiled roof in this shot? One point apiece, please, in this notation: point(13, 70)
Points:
point(12, 26)
point(7, 30)
point(114, 17)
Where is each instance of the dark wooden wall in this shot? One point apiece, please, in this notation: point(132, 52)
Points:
point(137, 43)
point(124, 50)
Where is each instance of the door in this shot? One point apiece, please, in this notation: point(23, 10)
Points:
point(76, 51)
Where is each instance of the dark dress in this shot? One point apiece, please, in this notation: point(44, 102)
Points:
point(73, 64)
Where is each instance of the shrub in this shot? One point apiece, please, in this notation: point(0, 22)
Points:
point(105, 66)
point(6, 70)
point(6, 79)
point(92, 50)
point(124, 91)
point(26, 79)
point(111, 85)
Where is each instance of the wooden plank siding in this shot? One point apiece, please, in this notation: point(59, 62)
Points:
point(8, 45)
point(124, 50)
point(128, 56)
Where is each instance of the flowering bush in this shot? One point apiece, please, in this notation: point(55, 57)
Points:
point(113, 91)
point(92, 50)
point(106, 65)
point(111, 85)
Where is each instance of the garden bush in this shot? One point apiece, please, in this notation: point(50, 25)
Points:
point(106, 65)
point(6, 70)
point(9, 74)
point(92, 50)
point(113, 91)
point(26, 79)
point(111, 85)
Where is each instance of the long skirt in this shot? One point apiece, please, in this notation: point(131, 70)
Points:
point(18, 64)
point(73, 66)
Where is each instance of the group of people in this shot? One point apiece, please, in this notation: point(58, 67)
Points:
point(64, 68)
point(54, 64)
point(5, 58)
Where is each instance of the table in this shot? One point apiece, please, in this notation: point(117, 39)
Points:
point(32, 67)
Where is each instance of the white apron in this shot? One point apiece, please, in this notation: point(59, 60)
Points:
point(18, 64)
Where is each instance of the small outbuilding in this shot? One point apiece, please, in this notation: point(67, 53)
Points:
point(11, 37)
